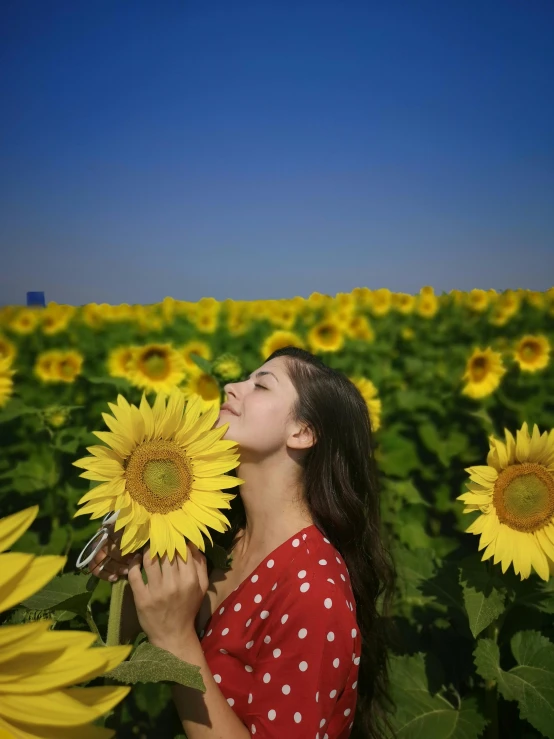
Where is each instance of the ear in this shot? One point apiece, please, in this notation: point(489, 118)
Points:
point(303, 437)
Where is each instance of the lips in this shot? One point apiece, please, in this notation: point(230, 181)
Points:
point(227, 407)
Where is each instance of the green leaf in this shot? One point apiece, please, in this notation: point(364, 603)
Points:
point(397, 455)
point(67, 593)
point(16, 408)
point(419, 713)
point(218, 556)
point(530, 683)
point(199, 361)
point(150, 664)
point(39, 472)
point(483, 594)
point(118, 382)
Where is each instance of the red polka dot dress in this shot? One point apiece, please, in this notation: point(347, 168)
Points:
point(284, 646)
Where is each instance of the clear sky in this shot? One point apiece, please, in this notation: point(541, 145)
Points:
point(256, 149)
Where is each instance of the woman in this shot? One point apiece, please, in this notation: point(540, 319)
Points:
point(289, 640)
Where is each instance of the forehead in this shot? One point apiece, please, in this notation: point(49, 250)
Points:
point(277, 366)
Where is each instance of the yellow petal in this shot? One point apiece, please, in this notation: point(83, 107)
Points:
point(62, 707)
point(122, 445)
point(37, 573)
point(148, 417)
point(19, 730)
point(15, 638)
point(14, 526)
point(159, 535)
point(185, 526)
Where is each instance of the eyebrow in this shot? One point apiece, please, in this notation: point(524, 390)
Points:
point(263, 372)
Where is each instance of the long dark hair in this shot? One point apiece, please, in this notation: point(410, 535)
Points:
point(341, 490)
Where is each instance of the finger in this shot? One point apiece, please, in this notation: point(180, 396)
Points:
point(200, 564)
point(135, 578)
point(152, 569)
point(170, 570)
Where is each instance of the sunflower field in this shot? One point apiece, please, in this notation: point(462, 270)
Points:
point(460, 392)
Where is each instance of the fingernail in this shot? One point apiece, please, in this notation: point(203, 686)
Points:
point(125, 571)
point(112, 578)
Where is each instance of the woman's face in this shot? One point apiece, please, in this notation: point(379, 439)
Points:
point(261, 420)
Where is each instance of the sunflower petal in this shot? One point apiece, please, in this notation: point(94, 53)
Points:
point(14, 526)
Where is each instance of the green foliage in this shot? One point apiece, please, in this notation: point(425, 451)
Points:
point(474, 654)
point(150, 664)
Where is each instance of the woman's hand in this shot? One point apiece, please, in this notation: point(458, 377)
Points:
point(167, 606)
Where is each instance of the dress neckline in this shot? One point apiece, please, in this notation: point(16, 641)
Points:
point(272, 554)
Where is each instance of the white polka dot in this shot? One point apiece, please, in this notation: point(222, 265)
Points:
point(302, 633)
point(248, 668)
point(326, 540)
point(332, 694)
point(328, 603)
point(257, 598)
point(271, 714)
point(284, 618)
point(209, 632)
point(336, 662)
point(286, 689)
point(304, 587)
point(248, 622)
point(296, 543)
point(298, 717)
point(270, 563)
point(267, 639)
point(304, 536)
point(326, 736)
point(267, 677)
point(221, 610)
point(250, 697)
point(347, 712)
point(274, 586)
point(231, 701)
point(249, 644)
point(225, 632)
point(254, 578)
point(351, 725)
point(343, 577)
point(217, 678)
point(317, 697)
point(338, 560)
point(354, 684)
point(322, 561)
point(330, 636)
point(253, 729)
point(237, 606)
point(357, 661)
point(264, 614)
point(330, 580)
point(276, 653)
point(303, 666)
point(354, 632)
point(224, 651)
point(302, 574)
point(322, 723)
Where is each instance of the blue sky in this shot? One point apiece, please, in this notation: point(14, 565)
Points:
point(269, 149)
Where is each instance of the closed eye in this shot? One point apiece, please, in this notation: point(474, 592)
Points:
point(262, 386)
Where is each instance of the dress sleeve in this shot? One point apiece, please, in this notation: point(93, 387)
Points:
point(304, 662)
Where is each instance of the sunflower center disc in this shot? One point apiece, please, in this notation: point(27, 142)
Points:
point(159, 476)
point(524, 497)
point(155, 364)
point(162, 477)
point(479, 368)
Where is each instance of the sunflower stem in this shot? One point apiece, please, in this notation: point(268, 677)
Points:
point(113, 637)
point(491, 691)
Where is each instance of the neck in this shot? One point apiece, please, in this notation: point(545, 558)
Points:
point(274, 505)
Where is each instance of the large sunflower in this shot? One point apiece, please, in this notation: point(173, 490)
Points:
point(156, 368)
point(6, 382)
point(38, 666)
point(7, 348)
point(164, 470)
point(484, 370)
point(515, 493)
point(532, 353)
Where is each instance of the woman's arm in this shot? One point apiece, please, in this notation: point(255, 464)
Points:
point(204, 715)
